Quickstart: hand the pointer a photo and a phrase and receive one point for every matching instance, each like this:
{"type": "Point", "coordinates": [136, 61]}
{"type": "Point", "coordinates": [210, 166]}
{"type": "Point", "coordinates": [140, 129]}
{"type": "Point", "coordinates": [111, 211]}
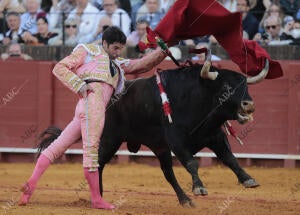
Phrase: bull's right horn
{"type": "Point", "coordinates": [261, 76]}
{"type": "Point", "coordinates": [204, 73]}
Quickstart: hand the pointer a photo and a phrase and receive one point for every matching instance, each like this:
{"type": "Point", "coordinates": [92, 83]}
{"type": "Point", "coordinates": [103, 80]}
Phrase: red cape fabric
{"type": "Point", "coordinates": [190, 18]}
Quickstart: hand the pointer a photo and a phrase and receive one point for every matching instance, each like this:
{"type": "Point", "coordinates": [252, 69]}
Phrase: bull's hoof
{"type": "Point", "coordinates": [188, 204]}
{"type": "Point", "coordinates": [250, 183]}
{"type": "Point", "coordinates": [200, 191]}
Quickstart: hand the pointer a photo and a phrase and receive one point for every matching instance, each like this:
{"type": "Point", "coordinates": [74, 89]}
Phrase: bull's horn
{"type": "Point", "coordinates": [258, 78]}
{"type": "Point", "coordinates": [204, 73]}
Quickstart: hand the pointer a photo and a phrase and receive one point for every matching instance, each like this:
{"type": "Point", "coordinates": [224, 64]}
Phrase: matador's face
{"type": "Point", "coordinates": [113, 50]}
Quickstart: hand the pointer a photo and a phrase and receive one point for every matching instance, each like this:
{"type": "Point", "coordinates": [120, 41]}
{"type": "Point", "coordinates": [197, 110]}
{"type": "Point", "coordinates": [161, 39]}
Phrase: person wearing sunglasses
{"type": "Point", "coordinates": [273, 10]}
{"type": "Point", "coordinates": [88, 16]}
{"type": "Point", "coordinates": [272, 26]}
{"type": "Point", "coordinates": [71, 32]}
{"type": "Point", "coordinates": [273, 32]}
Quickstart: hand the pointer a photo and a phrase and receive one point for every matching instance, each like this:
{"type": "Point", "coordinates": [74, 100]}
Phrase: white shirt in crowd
{"type": "Point", "coordinates": [119, 18]}
{"type": "Point", "coordinates": [88, 22]}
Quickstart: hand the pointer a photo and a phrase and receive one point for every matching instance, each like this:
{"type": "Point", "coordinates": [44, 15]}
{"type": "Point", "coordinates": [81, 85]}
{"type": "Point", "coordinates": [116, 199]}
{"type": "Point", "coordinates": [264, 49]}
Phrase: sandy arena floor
{"type": "Point", "coordinates": [141, 189]}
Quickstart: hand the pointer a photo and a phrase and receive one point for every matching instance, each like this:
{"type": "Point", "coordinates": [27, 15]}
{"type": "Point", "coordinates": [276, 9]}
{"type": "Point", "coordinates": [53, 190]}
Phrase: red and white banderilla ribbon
{"type": "Point", "coordinates": [230, 131]}
{"type": "Point", "coordinates": [164, 97]}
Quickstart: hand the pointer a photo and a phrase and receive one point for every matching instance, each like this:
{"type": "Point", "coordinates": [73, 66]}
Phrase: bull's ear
{"type": "Point", "coordinates": [204, 73]}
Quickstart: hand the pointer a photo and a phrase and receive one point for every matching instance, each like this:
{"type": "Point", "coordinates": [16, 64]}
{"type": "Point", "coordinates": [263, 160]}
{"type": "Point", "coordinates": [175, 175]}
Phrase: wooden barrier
{"type": "Point", "coordinates": [32, 99]}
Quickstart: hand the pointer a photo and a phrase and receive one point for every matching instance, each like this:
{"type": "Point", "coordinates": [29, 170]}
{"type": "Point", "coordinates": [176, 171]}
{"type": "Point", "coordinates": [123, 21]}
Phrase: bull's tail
{"type": "Point", "coordinates": [46, 138]}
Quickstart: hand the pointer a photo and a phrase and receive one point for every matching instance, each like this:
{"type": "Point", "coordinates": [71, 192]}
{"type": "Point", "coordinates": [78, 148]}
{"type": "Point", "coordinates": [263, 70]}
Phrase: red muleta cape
{"type": "Point", "coordinates": [190, 18]}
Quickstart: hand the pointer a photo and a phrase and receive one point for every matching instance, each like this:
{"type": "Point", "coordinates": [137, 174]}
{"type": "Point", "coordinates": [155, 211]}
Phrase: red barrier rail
{"type": "Point", "coordinates": [31, 99]}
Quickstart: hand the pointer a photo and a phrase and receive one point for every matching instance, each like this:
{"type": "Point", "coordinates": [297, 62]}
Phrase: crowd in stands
{"type": "Point", "coordinates": [69, 22]}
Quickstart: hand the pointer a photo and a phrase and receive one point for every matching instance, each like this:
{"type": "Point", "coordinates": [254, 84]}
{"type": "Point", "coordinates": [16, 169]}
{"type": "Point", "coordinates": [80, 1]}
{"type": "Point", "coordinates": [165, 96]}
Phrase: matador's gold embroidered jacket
{"type": "Point", "coordinates": [90, 62]}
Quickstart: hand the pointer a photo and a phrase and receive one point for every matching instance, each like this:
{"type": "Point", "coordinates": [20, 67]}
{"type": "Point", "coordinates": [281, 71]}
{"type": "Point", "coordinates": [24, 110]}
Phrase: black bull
{"type": "Point", "coordinates": [199, 109]}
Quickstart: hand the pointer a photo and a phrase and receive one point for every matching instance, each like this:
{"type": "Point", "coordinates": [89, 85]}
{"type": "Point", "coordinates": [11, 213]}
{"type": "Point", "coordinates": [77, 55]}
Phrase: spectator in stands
{"type": "Point", "coordinates": [273, 10]}
{"type": "Point", "coordinates": [139, 34]}
{"type": "Point", "coordinates": [153, 15]}
{"type": "Point", "coordinates": [28, 19]}
{"type": "Point", "coordinates": [43, 37]}
{"type": "Point", "coordinates": [8, 6]}
{"type": "Point", "coordinates": [11, 5]}
{"type": "Point", "coordinates": [14, 34]}
{"type": "Point", "coordinates": [97, 4]}
{"type": "Point", "coordinates": [201, 57]}
{"type": "Point", "coordinates": [298, 12]}
{"type": "Point", "coordinates": [296, 24]}
{"type": "Point", "coordinates": [258, 8]}
{"type": "Point", "coordinates": [125, 5]}
{"type": "Point", "coordinates": [58, 11]}
{"type": "Point", "coordinates": [288, 23]}
{"type": "Point", "coordinates": [88, 17]}
{"type": "Point", "coordinates": [118, 16]}
{"type": "Point", "coordinates": [295, 32]}
{"type": "Point", "coordinates": [250, 23]}
{"type": "Point", "coordinates": [135, 6]}
{"type": "Point", "coordinates": [14, 51]}
{"type": "Point", "coordinates": [71, 30]}
{"type": "Point", "coordinates": [46, 5]}
{"type": "Point", "coordinates": [189, 42]}
{"type": "Point", "coordinates": [104, 23]}
{"type": "Point", "coordinates": [290, 7]}
{"type": "Point", "coordinates": [273, 35]}
{"type": "Point", "coordinates": [229, 5]}
{"type": "Point", "coordinates": [141, 11]}
{"type": "Point", "coordinates": [165, 5]}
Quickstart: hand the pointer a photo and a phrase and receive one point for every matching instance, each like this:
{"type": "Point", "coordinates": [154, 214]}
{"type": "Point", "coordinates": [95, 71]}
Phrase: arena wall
{"type": "Point", "coordinates": [32, 99]}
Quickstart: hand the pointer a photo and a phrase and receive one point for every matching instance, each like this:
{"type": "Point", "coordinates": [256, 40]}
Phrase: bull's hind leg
{"type": "Point", "coordinates": [107, 150]}
{"type": "Point", "coordinates": [176, 140]}
{"type": "Point", "coordinates": [220, 146]}
{"type": "Point", "coordinates": [165, 160]}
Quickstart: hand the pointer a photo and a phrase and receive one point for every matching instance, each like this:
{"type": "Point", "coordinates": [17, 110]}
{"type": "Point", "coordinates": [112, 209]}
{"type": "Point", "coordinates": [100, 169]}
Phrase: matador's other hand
{"type": "Point", "coordinates": [85, 90]}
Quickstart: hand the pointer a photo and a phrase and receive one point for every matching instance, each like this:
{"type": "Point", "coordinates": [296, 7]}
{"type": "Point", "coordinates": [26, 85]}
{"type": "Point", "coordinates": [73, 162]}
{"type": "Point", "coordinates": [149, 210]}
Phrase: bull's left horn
{"type": "Point", "coordinates": [258, 78]}
{"type": "Point", "coordinates": [204, 73]}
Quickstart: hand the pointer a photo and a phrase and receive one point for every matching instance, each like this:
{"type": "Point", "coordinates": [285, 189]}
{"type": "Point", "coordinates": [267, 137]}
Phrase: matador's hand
{"type": "Point", "coordinates": [85, 90]}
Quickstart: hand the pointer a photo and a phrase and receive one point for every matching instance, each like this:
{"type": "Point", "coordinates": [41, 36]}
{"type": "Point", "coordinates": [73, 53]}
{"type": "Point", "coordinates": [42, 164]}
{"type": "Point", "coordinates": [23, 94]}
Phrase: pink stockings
{"type": "Point", "coordinates": [87, 123]}
{"type": "Point", "coordinates": [93, 181]}
{"type": "Point", "coordinates": [28, 188]}
{"type": "Point", "coordinates": [91, 177]}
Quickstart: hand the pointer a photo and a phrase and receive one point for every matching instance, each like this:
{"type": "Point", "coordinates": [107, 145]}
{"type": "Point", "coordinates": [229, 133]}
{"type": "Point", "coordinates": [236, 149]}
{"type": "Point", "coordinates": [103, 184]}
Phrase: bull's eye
{"type": "Point", "coordinates": [245, 103]}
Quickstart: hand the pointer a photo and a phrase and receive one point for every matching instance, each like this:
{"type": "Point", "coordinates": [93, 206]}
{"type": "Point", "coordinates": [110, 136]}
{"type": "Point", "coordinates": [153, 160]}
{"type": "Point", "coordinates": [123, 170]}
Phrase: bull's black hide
{"type": "Point", "coordinates": [199, 109]}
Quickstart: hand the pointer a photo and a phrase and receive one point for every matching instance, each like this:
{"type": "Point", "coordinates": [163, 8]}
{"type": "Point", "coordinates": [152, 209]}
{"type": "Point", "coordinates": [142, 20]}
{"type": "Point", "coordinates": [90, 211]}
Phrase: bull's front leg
{"type": "Point", "coordinates": [165, 160]}
{"type": "Point", "coordinates": [177, 141]}
{"type": "Point", "coordinates": [220, 146]}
